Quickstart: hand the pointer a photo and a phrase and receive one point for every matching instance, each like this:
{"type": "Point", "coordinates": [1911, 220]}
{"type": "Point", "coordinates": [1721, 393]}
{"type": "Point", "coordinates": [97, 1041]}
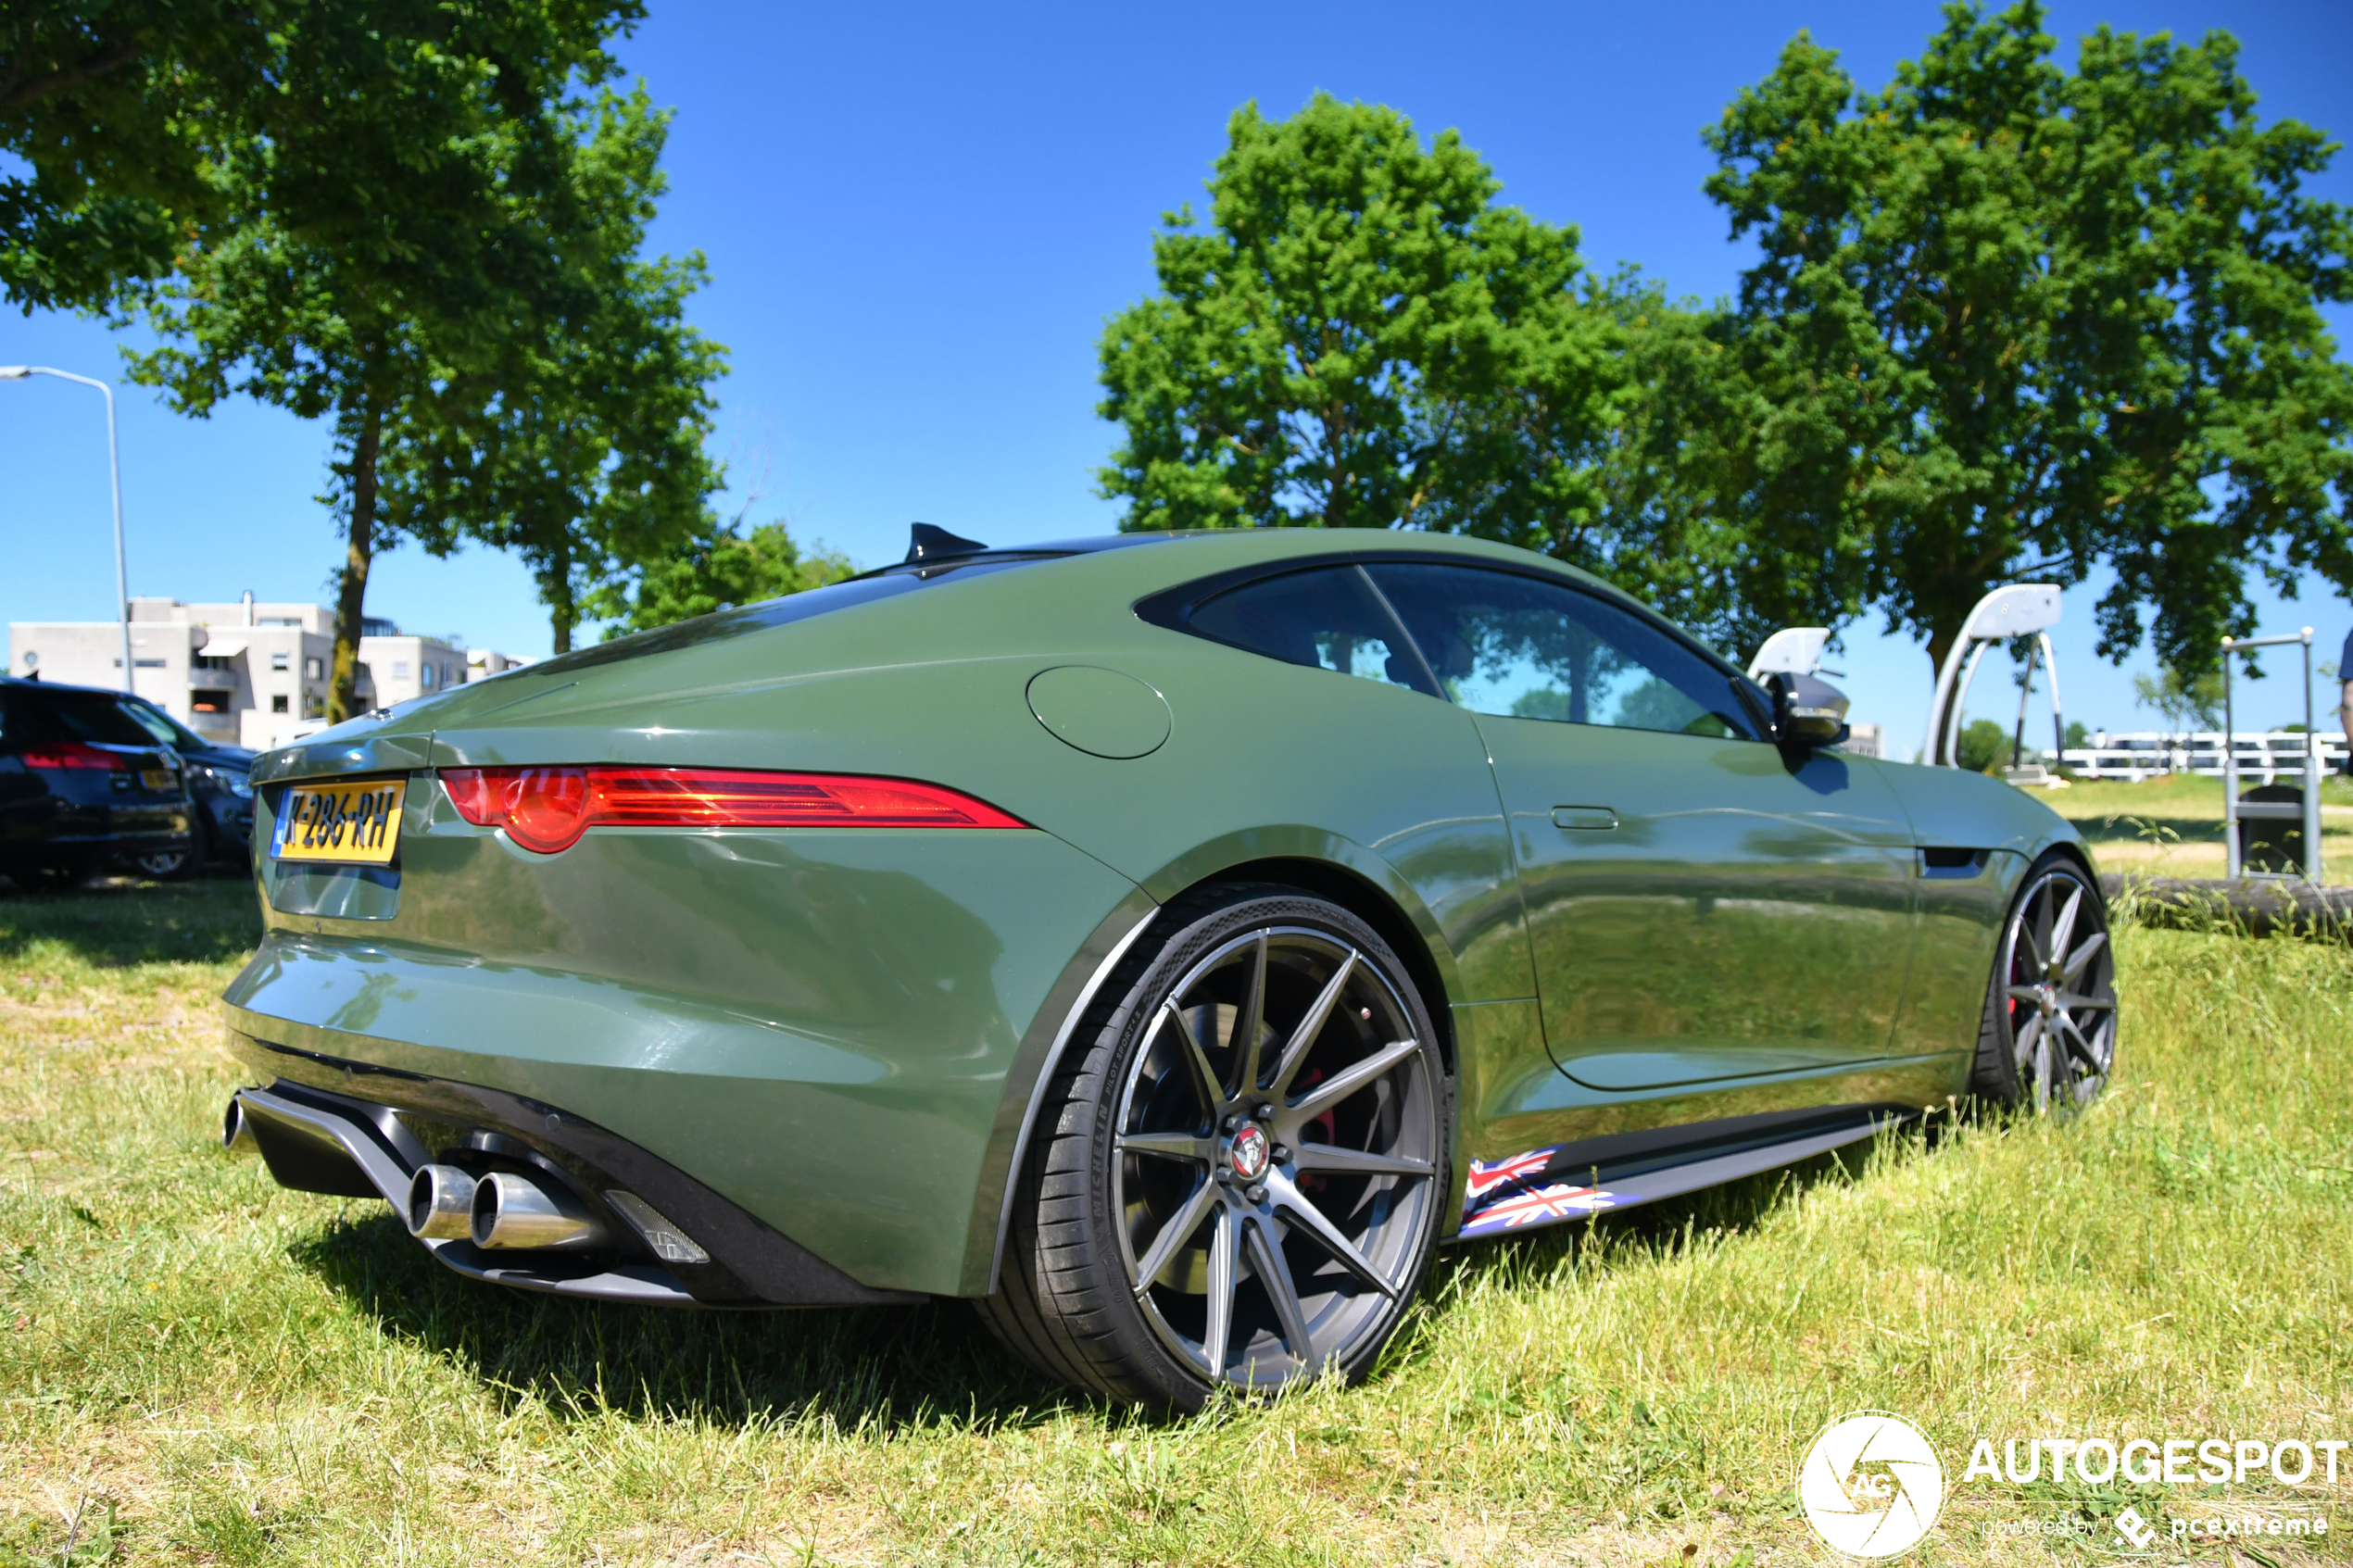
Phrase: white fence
{"type": "Point", "coordinates": [2263, 756]}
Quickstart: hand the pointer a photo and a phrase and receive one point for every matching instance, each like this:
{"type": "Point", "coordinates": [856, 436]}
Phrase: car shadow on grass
{"type": "Point", "coordinates": [886, 1368]}
{"type": "Point", "coordinates": [868, 1367]}
{"type": "Point", "coordinates": [121, 923]}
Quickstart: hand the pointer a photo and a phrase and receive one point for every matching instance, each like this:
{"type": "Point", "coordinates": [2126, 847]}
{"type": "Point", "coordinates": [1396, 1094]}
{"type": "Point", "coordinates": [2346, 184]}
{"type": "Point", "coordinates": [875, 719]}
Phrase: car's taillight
{"type": "Point", "coordinates": [74, 754]}
{"type": "Point", "coordinates": [548, 809]}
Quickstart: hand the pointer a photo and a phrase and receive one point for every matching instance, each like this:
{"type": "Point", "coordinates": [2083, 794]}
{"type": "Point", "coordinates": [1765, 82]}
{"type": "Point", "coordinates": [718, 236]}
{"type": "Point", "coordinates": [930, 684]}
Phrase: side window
{"type": "Point", "coordinates": [1505, 643]}
{"type": "Point", "coordinates": [153, 722]}
{"type": "Point", "coordinates": [1325, 619]}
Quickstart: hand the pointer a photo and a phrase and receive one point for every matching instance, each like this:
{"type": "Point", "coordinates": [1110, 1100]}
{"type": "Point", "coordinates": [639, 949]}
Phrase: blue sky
{"type": "Point", "coordinates": [917, 218]}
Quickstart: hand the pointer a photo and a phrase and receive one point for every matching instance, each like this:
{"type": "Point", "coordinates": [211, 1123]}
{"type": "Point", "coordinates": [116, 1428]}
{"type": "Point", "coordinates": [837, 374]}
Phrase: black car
{"type": "Point", "coordinates": [83, 786]}
{"type": "Point", "coordinates": [220, 782]}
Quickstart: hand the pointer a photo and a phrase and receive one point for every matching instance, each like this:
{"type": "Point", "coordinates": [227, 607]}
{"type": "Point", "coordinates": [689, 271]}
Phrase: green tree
{"type": "Point", "coordinates": [1985, 746]}
{"type": "Point", "coordinates": [1304, 359]}
{"type": "Point", "coordinates": [389, 222]}
{"type": "Point", "coordinates": [729, 565]}
{"type": "Point", "coordinates": [583, 450]}
{"type": "Point", "coordinates": [113, 109]}
{"type": "Point", "coordinates": [1362, 337]}
{"type": "Point", "coordinates": [2009, 324]}
{"type": "Point", "coordinates": [2188, 702]}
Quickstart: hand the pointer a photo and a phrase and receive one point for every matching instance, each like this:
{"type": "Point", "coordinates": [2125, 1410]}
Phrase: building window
{"type": "Point", "coordinates": [208, 702]}
{"type": "Point", "coordinates": [314, 669]}
{"type": "Point", "coordinates": [399, 669]}
{"type": "Point", "coordinates": [278, 702]}
{"type": "Point", "coordinates": [282, 660]}
{"type": "Point", "coordinates": [313, 705]}
{"type": "Point", "coordinates": [425, 674]}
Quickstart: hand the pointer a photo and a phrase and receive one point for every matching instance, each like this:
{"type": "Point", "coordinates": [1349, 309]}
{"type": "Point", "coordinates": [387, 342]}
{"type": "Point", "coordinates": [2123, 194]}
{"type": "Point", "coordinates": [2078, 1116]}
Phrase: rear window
{"type": "Point", "coordinates": [29, 718]}
{"type": "Point", "coordinates": [1325, 619]}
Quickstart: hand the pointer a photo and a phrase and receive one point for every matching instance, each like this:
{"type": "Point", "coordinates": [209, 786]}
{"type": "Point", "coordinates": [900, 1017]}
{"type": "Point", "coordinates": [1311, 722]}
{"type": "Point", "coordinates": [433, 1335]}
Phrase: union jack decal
{"type": "Point", "coordinates": [1542, 1206]}
{"type": "Point", "coordinates": [1486, 1178]}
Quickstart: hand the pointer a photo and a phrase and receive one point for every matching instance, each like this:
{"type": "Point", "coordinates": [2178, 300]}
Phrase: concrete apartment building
{"type": "Point", "coordinates": [247, 673]}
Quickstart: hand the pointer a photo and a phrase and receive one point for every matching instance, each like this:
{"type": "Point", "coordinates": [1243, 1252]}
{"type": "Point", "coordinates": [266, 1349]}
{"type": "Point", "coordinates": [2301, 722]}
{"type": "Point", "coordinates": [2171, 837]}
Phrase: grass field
{"type": "Point", "coordinates": [203, 1367]}
{"type": "Point", "coordinates": [2172, 825]}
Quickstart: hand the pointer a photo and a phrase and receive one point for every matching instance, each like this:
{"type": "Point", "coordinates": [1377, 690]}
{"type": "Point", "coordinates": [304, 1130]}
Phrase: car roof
{"type": "Point", "coordinates": [1258, 547]}
{"type": "Point", "coordinates": [63, 686]}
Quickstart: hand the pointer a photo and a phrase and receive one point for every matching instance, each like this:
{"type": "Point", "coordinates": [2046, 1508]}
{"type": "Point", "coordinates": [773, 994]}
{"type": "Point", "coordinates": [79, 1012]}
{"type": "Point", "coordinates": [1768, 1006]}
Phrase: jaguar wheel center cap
{"type": "Point", "coordinates": [1249, 1151]}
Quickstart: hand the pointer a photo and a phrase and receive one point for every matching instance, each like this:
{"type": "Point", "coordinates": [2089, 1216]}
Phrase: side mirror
{"type": "Point", "coordinates": [1807, 710]}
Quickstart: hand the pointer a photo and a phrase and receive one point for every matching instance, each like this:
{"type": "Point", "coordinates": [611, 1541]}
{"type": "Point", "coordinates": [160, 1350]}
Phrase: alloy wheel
{"type": "Point", "coordinates": [2059, 979]}
{"type": "Point", "coordinates": [1275, 1160]}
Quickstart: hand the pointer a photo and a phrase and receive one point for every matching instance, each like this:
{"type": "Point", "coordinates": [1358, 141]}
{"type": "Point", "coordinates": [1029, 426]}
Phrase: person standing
{"type": "Point", "coordinates": [2345, 698]}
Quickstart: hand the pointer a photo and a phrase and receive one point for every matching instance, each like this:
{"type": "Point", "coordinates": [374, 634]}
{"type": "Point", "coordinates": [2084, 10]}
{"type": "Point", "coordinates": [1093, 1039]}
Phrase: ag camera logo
{"type": "Point", "coordinates": [1870, 1486]}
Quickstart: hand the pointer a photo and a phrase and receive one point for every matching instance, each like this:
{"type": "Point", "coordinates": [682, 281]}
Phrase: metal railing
{"type": "Point", "coordinates": [2270, 754]}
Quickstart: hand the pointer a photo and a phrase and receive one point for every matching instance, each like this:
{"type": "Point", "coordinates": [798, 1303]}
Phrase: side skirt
{"type": "Point", "coordinates": [1545, 1186]}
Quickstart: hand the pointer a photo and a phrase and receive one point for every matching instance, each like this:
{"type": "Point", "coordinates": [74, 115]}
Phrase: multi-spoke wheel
{"type": "Point", "coordinates": [2048, 1039]}
{"type": "Point", "coordinates": [1245, 1175]}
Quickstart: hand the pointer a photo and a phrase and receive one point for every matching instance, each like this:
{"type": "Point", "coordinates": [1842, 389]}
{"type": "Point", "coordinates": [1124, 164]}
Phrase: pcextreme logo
{"type": "Point", "coordinates": [1870, 1486]}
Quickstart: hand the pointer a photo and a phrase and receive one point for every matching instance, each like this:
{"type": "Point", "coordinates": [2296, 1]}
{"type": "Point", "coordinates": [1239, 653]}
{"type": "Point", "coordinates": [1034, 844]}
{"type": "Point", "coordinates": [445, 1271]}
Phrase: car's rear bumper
{"type": "Point", "coordinates": [90, 849]}
{"type": "Point", "coordinates": [830, 1029]}
{"type": "Point", "coordinates": [372, 1143]}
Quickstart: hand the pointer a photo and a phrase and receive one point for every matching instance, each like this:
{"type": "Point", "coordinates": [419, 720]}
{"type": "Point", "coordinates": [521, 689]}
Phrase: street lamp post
{"type": "Point", "coordinates": [114, 471]}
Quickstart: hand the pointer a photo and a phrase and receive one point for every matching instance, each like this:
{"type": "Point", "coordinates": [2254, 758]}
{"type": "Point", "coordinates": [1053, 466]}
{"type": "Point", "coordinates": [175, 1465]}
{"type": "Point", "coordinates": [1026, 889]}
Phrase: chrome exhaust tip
{"type": "Point", "coordinates": [236, 1135]}
{"type": "Point", "coordinates": [511, 1210]}
{"type": "Point", "coordinates": [441, 1203]}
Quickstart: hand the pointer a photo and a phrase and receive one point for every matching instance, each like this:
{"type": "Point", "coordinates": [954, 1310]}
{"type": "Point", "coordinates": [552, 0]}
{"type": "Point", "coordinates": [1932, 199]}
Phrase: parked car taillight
{"type": "Point", "coordinates": [548, 809]}
{"type": "Point", "coordinates": [74, 754]}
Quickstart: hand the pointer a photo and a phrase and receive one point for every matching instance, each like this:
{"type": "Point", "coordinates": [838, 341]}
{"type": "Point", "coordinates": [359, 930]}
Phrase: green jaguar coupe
{"type": "Point", "coordinates": [1164, 941]}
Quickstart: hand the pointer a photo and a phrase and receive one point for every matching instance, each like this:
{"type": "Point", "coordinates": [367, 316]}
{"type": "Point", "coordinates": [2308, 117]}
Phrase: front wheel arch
{"type": "Point", "coordinates": [2049, 1022]}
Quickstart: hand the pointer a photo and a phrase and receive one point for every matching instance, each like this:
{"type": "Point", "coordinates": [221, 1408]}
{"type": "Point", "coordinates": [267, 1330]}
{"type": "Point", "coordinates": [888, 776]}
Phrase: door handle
{"type": "Point", "coordinates": [1584, 818]}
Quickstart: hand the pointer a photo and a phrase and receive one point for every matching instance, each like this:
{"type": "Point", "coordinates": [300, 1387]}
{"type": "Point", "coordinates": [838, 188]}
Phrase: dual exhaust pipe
{"type": "Point", "coordinates": [502, 1209]}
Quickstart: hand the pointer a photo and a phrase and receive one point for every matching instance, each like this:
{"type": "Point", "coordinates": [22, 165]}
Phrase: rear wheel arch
{"type": "Point", "coordinates": [1370, 903]}
{"type": "Point", "coordinates": [1126, 1108]}
{"type": "Point", "coordinates": [1135, 925]}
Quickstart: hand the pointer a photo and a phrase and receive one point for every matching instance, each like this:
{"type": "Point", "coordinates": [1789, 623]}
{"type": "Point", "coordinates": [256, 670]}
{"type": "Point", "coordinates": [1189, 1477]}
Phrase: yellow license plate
{"type": "Point", "coordinates": [160, 780]}
{"type": "Point", "coordinates": [357, 822]}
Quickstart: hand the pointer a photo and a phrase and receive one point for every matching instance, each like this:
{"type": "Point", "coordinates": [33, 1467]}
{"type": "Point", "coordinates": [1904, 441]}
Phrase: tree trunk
{"type": "Point", "coordinates": [343, 695]}
{"type": "Point", "coordinates": [555, 586]}
{"type": "Point", "coordinates": [1940, 642]}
